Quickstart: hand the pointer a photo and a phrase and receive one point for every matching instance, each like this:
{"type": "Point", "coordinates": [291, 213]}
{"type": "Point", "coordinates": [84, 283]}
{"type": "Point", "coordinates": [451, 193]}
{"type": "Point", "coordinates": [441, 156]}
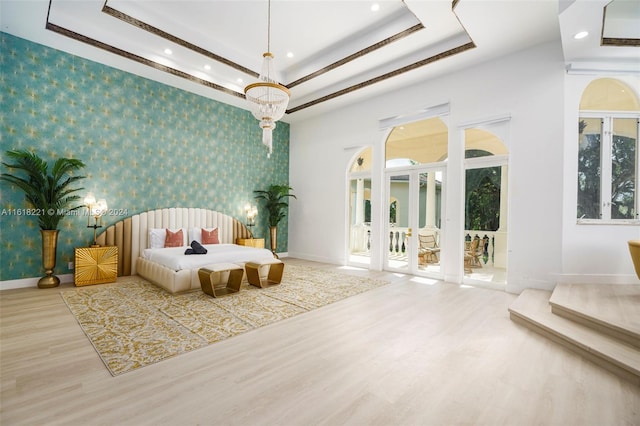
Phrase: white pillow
{"type": "Point", "coordinates": [157, 237]}
{"type": "Point", "coordinates": [195, 234]}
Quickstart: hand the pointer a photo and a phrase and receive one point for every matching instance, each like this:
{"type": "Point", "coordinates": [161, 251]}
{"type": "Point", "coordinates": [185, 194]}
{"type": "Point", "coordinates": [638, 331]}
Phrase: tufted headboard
{"type": "Point", "coordinates": [131, 233]}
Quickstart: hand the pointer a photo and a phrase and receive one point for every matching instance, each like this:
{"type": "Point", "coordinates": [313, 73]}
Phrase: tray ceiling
{"type": "Point", "coordinates": [327, 52]}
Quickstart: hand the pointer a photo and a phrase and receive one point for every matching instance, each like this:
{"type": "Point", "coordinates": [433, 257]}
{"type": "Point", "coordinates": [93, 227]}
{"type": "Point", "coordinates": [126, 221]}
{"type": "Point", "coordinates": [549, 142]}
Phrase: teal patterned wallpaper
{"type": "Point", "coordinates": [146, 146]}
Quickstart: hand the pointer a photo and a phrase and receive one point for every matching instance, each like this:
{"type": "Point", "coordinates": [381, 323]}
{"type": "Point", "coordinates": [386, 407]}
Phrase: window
{"type": "Point", "coordinates": [608, 153]}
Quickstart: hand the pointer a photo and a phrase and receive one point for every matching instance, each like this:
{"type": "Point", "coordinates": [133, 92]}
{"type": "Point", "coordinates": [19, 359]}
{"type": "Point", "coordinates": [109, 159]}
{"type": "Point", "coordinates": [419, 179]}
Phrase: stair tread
{"type": "Point", "coordinates": [534, 306]}
{"type": "Point", "coordinates": [614, 306]}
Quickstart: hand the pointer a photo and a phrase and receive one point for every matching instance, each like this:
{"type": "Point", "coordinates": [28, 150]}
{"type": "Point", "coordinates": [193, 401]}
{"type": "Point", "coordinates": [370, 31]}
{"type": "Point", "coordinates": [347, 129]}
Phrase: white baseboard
{"type": "Point", "coordinates": [319, 259]}
{"type": "Point", "coordinates": [31, 282]}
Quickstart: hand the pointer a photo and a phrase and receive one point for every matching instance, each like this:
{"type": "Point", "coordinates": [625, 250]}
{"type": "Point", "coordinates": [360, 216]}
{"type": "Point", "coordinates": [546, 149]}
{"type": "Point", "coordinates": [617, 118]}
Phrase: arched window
{"type": "Point", "coordinates": [608, 152]}
{"type": "Point", "coordinates": [421, 142]}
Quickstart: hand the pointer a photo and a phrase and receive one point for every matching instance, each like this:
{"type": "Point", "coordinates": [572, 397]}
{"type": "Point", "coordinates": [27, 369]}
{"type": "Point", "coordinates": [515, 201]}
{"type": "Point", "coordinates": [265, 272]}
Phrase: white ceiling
{"type": "Point", "coordinates": [342, 50]}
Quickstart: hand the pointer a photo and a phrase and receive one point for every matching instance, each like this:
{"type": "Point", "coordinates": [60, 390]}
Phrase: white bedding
{"type": "Point", "coordinates": [174, 257]}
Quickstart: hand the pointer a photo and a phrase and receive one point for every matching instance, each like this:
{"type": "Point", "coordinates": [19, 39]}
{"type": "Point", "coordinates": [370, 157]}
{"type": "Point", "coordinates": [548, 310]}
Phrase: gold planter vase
{"type": "Point", "coordinates": [273, 236]}
{"type": "Point", "coordinates": [49, 247]}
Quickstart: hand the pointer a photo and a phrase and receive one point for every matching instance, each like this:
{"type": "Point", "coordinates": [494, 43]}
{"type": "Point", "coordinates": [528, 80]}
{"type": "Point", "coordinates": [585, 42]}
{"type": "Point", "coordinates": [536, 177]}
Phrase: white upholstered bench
{"type": "Point", "coordinates": [220, 278]}
{"type": "Point", "coordinates": [265, 272]}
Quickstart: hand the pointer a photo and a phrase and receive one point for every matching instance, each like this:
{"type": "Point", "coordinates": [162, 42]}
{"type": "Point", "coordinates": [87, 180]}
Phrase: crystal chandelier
{"type": "Point", "coordinates": [267, 98]}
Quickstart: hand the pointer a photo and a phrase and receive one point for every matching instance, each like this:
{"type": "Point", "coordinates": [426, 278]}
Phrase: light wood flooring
{"type": "Point", "coordinates": [408, 353]}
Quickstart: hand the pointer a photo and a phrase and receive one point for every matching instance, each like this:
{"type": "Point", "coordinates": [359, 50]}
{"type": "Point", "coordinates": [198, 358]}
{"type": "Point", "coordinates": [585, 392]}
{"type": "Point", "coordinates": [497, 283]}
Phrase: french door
{"type": "Point", "coordinates": [413, 230]}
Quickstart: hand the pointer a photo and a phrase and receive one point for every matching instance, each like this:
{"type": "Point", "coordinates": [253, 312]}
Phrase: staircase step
{"type": "Point", "coordinates": [611, 309]}
{"type": "Point", "coordinates": [532, 310]}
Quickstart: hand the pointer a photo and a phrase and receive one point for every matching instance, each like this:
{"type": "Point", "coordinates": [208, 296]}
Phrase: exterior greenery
{"type": "Point", "coordinates": [623, 175]}
{"type": "Point", "coordinates": [50, 194]}
{"type": "Point", "coordinates": [274, 199]}
{"type": "Point", "coordinates": [483, 199]}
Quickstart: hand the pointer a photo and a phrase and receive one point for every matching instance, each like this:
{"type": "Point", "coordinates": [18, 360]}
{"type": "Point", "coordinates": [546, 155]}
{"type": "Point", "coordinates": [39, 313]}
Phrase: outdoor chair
{"type": "Point", "coordinates": [428, 250]}
{"type": "Point", "coordinates": [472, 253]}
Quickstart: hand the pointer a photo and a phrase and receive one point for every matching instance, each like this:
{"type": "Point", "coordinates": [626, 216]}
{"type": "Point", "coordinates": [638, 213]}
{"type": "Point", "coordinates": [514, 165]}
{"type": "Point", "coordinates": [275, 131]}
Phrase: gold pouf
{"type": "Point", "coordinates": [634, 249]}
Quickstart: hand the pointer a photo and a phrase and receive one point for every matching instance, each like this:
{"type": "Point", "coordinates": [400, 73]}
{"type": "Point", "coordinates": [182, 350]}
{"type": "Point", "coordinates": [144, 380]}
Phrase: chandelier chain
{"type": "Point", "coordinates": [269, 26]}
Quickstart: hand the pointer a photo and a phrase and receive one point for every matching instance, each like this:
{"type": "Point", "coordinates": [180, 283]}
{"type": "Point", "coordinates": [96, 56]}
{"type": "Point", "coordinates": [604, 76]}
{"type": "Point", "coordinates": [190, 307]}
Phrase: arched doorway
{"type": "Point", "coordinates": [485, 205]}
{"type": "Point", "coordinates": [414, 193]}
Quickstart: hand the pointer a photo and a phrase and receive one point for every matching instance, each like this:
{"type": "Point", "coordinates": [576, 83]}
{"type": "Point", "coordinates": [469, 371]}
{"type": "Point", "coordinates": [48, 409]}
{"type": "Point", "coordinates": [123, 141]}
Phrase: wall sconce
{"type": "Point", "coordinates": [97, 209]}
{"type": "Point", "coordinates": [251, 212]}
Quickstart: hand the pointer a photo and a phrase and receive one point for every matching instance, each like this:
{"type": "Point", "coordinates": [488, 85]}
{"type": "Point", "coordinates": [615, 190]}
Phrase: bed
{"type": "Point", "coordinates": [170, 268]}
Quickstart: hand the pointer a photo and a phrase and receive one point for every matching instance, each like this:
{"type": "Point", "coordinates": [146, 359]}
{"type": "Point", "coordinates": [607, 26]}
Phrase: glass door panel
{"type": "Point", "coordinates": [485, 231]}
{"type": "Point", "coordinates": [397, 229]}
{"type": "Point", "coordinates": [413, 233]}
{"type": "Point", "coordinates": [429, 212]}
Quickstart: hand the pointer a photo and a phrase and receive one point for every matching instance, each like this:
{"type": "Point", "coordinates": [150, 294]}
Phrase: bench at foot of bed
{"type": "Point", "coordinates": [265, 272]}
{"type": "Point", "coordinates": [220, 279]}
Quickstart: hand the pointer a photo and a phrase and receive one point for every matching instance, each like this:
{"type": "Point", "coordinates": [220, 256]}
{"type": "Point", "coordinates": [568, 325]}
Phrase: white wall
{"type": "Point", "coordinates": [528, 86]}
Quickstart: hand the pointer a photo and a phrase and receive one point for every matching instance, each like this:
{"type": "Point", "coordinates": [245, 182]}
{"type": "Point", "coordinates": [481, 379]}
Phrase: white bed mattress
{"type": "Point", "coordinates": [175, 259]}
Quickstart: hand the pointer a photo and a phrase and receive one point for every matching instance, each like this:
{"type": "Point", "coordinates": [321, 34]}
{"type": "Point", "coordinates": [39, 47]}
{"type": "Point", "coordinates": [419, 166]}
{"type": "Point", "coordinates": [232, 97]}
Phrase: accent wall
{"type": "Point", "coordinates": [146, 145]}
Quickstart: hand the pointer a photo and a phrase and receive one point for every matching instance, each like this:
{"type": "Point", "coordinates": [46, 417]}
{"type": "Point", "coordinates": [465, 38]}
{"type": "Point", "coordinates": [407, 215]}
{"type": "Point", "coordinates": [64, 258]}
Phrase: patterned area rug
{"type": "Point", "coordinates": [133, 324]}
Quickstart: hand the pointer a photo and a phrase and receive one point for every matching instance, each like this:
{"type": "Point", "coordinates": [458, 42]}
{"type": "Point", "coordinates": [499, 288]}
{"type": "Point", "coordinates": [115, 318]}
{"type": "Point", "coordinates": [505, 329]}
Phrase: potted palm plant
{"type": "Point", "coordinates": [51, 196]}
{"type": "Point", "coordinates": [276, 205]}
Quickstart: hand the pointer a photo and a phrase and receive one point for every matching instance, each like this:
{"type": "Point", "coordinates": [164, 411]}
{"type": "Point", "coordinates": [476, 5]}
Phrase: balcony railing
{"type": "Point", "coordinates": [492, 245]}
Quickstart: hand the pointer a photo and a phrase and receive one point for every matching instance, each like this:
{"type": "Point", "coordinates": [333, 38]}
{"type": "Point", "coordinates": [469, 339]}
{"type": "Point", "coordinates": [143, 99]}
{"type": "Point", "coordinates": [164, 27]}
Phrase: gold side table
{"type": "Point", "coordinates": [250, 242]}
{"type": "Point", "coordinates": [96, 265]}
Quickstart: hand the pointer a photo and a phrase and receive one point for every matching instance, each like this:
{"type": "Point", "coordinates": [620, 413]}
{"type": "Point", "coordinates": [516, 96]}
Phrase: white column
{"type": "Point", "coordinates": [504, 202]}
{"type": "Point", "coordinates": [500, 247]}
{"type": "Point", "coordinates": [431, 201]}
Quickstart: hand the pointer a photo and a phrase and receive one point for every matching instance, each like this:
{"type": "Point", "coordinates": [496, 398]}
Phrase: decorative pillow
{"type": "Point", "coordinates": [157, 237]}
{"type": "Point", "coordinates": [210, 237]}
{"type": "Point", "coordinates": [174, 239]}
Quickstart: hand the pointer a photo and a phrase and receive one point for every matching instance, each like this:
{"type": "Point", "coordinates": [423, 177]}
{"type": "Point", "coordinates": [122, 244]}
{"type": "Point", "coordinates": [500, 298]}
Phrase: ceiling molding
{"type": "Point", "coordinates": [608, 41]}
{"type": "Point", "coordinates": [386, 76]}
{"type": "Point", "coordinates": [163, 34]}
{"type": "Point", "coordinates": [359, 54]}
{"type": "Point", "coordinates": [160, 33]}
{"type": "Point", "coordinates": [617, 41]}
{"type": "Point", "coordinates": [100, 45]}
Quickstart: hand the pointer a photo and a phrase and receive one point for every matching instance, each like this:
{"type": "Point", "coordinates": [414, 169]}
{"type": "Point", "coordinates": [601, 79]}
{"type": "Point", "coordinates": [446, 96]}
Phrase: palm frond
{"type": "Point", "coordinates": [42, 190]}
{"type": "Point", "coordinates": [274, 203]}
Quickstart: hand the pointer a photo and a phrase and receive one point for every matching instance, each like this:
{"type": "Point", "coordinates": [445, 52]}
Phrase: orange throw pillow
{"type": "Point", "coordinates": [174, 239]}
{"type": "Point", "coordinates": [210, 237]}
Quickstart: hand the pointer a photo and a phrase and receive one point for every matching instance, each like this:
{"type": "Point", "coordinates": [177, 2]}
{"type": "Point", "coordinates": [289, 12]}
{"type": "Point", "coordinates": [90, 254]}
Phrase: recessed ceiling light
{"type": "Point", "coordinates": [289, 54]}
{"type": "Point", "coordinates": [207, 67]}
{"type": "Point", "coordinates": [239, 80]}
{"type": "Point", "coordinates": [581, 34]}
{"type": "Point", "coordinates": [375, 7]}
{"type": "Point", "coordinates": [168, 51]}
